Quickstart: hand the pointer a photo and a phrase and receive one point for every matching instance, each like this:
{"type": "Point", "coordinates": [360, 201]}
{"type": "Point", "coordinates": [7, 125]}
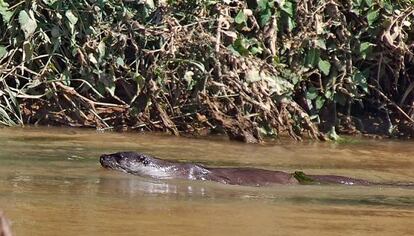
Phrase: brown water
{"type": "Point", "coordinates": [51, 184]}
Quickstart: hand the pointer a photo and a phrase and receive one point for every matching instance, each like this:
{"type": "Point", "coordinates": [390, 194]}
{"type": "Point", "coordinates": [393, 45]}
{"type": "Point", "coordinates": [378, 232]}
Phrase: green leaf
{"type": "Point", "coordinates": [278, 85]}
{"type": "Point", "coordinates": [5, 13]}
{"type": "Point", "coordinates": [365, 49]}
{"type": "Point", "coordinates": [92, 59]}
{"type": "Point", "coordinates": [265, 16]}
{"type": "Point", "coordinates": [372, 17]}
{"type": "Point", "coordinates": [312, 93]}
{"type": "Point", "coordinates": [303, 178]}
{"type": "Point", "coordinates": [365, 46]}
{"type": "Point", "coordinates": [320, 43]}
{"type": "Point", "coordinates": [333, 135]}
{"type": "Point", "coordinates": [65, 76]}
{"type": "Point", "coordinates": [312, 57]}
{"type": "Point", "coordinates": [291, 24]}
{"type": "Point", "coordinates": [329, 94]}
{"type": "Point", "coordinates": [241, 46]}
{"type": "Point", "coordinates": [71, 17]}
{"type": "Point", "coordinates": [324, 66]}
{"type": "Point", "coordinates": [27, 23]}
{"type": "Point", "coordinates": [368, 3]}
{"type": "Point", "coordinates": [50, 2]}
{"type": "Point", "coordinates": [256, 50]}
{"type": "Point", "coordinates": [72, 20]}
{"type": "Point", "coordinates": [240, 18]}
{"type": "Point", "coordinates": [388, 7]}
{"type": "Point", "coordinates": [319, 102]}
{"type": "Point", "coordinates": [262, 4]}
{"type": "Point", "coordinates": [120, 61]}
{"type": "Point", "coordinates": [361, 81]}
{"type": "Point", "coordinates": [288, 7]}
{"type": "Point", "coordinates": [234, 50]}
{"type": "Point", "coordinates": [3, 51]}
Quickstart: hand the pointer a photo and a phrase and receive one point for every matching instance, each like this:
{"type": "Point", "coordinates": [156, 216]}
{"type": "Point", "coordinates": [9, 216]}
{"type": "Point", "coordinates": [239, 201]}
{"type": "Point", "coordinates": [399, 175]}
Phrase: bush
{"type": "Point", "coordinates": [245, 68]}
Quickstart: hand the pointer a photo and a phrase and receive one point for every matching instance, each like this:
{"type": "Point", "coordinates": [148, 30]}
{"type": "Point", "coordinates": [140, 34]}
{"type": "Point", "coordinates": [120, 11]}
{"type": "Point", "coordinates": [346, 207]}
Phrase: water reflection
{"type": "Point", "coordinates": [119, 185]}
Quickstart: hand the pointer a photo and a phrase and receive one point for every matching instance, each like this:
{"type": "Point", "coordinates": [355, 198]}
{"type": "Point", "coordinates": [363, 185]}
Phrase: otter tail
{"type": "Point", "coordinates": [337, 179]}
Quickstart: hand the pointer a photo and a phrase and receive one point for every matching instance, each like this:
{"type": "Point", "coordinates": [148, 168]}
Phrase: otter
{"type": "Point", "coordinates": [149, 166]}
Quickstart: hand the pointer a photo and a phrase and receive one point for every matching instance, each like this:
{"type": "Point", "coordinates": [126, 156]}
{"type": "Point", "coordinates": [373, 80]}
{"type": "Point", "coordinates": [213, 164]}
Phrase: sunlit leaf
{"type": "Point", "coordinates": [329, 94]}
{"type": "Point", "coordinates": [3, 52]}
{"type": "Point", "coordinates": [71, 17]}
{"type": "Point", "coordinates": [5, 13]}
{"type": "Point", "coordinates": [262, 4]}
{"type": "Point", "coordinates": [50, 2]}
{"type": "Point", "coordinates": [27, 23]}
{"type": "Point", "coordinates": [120, 61]}
{"type": "Point", "coordinates": [368, 3]}
{"type": "Point", "coordinates": [333, 135]}
{"type": "Point", "coordinates": [288, 7]}
{"type": "Point", "coordinates": [324, 66]}
{"type": "Point", "coordinates": [240, 18]}
{"type": "Point", "coordinates": [365, 49]}
{"type": "Point", "coordinates": [320, 43]}
{"type": "Point", "coordinates": [92, 58]}
{"type": "Point", "coordinates": [372, 16]}
{"type": "Point", "coordinates": [72, 20]}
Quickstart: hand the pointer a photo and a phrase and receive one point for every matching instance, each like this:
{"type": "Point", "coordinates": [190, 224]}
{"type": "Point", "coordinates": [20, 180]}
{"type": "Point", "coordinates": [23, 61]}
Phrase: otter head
{"type": "Point", "coordinates": [136, 163]}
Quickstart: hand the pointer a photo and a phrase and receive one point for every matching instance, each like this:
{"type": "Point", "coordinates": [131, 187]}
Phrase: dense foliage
{"type": "Point", "coordinates": [246, 68]}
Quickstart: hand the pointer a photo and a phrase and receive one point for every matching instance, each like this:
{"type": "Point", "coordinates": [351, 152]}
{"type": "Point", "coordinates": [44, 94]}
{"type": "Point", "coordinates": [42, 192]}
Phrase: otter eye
{"type": "Point", "coordinates": [145, 162]}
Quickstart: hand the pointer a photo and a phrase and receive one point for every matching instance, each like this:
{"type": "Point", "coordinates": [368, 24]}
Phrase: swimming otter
{"type": "Point", "coordinates": [145, 165]}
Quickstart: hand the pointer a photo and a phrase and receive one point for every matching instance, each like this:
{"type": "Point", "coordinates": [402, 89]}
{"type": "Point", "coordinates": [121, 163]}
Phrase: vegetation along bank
{"type": "Point", "coordinates": [249, 69]}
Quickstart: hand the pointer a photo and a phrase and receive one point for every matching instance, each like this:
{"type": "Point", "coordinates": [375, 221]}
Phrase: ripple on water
{"type": "Point", "coordinates": [51, 179]}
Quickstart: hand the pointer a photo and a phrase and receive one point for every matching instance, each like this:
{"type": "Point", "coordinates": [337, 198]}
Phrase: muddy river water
{"type": "Point", "coordinates": [51, 183]}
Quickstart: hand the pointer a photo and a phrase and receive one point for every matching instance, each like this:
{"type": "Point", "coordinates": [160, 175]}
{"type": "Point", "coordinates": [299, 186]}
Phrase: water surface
{"type": "Point", "coordinates": [51, 183]}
